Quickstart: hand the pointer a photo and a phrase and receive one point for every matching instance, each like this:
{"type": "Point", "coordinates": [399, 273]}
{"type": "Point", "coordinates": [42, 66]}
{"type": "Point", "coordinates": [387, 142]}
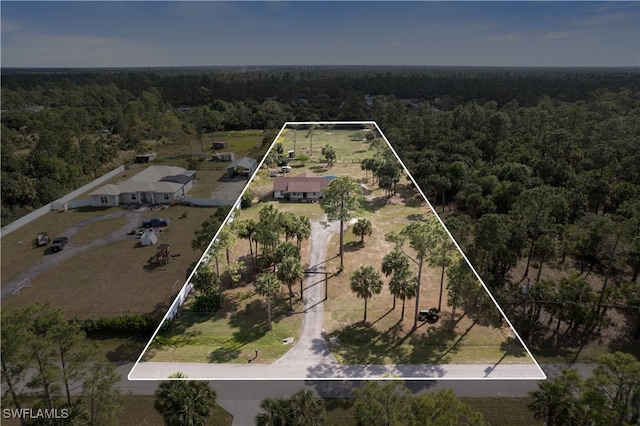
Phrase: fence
{"type": "Point", "coordinates": [61, 203]}
{"type": "Point", "coordinates": [179, 300]}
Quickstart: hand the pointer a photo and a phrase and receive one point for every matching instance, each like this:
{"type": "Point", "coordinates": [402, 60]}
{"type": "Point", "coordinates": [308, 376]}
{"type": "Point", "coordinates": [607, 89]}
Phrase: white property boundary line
{"type": "Point", "coordinates": [232, 213]}
{"type": "Point", "coordinates": [70, 196]}
{"type": "Point", "coordinates": [20, 286]}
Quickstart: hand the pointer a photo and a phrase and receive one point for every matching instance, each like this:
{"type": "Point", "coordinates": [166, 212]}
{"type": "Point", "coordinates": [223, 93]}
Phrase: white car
{"type": "Point", "coordinates": [286, 169]}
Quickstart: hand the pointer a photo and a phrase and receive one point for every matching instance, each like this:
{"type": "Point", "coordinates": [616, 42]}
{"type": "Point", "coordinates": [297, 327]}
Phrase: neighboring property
{"type": "Point", "coordinates": [303, 187]}
{"type": "Point", "coordinates": [224, 156]}
{"type": "Point", "coordinates": [145, 158]}
{"type": "Point", "coordinates": [153, 185]}
{"type": "Point", "coordinates": [242, 166]}
{"type": "Point", "coordinates": [219, 145]}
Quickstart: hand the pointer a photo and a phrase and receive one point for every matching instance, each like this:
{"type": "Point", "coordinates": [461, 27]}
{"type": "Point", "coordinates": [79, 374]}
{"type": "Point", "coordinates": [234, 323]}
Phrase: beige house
{"type": "Point", "coordinates": [303, 187]}
{"type": "Point", "coordinates": [153, 185]}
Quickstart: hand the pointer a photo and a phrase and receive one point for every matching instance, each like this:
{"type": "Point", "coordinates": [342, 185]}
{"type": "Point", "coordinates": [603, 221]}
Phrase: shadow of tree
{"type": "Point", "coordinates": [374, 204]}
{"type": "Point", "coordinates": [225, 354]}
{"type": "Point", "coordinates": [512, 347]}
{"type": "Point", "coordinates": [319, 169]}
{"type": "Point", "coordinates": [127, 351]}
{"type": "Point", "coordinates": [352, 246]}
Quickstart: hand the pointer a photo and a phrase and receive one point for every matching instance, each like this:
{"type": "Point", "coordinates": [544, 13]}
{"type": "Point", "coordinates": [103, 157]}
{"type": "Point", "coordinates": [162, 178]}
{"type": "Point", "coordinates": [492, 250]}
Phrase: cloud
{"type": "Point", "coordinates": [555, 35]}
{"type": "Point", "coordinates": [508, 38]}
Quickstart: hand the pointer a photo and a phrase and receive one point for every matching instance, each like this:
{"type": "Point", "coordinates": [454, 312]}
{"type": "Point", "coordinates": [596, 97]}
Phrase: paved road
{"type": "Point", "coordinates": [134, 219]}
{"type": "Point", "coordinates": [242, 398]}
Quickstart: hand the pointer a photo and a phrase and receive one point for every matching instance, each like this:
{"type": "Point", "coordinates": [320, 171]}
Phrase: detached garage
{"type": "Point", "coordinates": [246, 165]}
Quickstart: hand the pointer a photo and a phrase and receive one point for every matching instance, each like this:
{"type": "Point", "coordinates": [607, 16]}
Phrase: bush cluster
{"type": "Point", "coordinates": [127, 324]}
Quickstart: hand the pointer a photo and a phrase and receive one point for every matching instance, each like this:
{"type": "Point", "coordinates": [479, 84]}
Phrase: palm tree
{"type": "Point", "coordinates": [404, 286]}
{"type": "Point", "coordinates": [361, 228]}
{"type": "Point", "coordinates": [184, 402]}
{"type": "Point", "coordinates": [396, 263]}
{"type": "Point", "coordinates": [276, 412]}
{"type": "Point", "coordinates": [289, 223]}
{"type": "Point", "coordinates": [246, 229]}
{"type": "Point", "coordinates": [268, 286]}
{"type": "Point", "coordinates": [301, 409]}
{"type": "Point", "coordinates": [306, 409]}
{"type": "Point", "coordinates": [366, 282]}
{"type": "Point", "coordinates": [289, 271]}
{"type": "Point", "coordinates": [303, 231]}
{"type": "Point", "coordinates": [442, 257]}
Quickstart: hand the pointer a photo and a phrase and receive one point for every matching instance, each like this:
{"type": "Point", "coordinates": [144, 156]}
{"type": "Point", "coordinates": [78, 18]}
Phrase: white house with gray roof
{"type": "Point", "coordinates": [153, 185]}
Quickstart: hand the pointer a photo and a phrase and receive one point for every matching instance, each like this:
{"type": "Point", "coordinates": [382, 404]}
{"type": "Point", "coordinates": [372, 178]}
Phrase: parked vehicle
{"type": "Point", "coordinates": [43, 239]}
{"type": "Point", "coordinates": [430, 315]}
{"type": "Point", "coordinates": [58, 244]}
{"type": "Point", "coordinates": [155, 222]}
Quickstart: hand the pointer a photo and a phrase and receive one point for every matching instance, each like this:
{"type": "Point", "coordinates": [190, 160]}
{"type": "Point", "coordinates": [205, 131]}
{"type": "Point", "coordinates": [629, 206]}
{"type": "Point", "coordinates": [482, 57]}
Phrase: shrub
{"type": "Point", "coordinates": [127, 324]}
{"type": "Point", "coordinates": [206, 303]}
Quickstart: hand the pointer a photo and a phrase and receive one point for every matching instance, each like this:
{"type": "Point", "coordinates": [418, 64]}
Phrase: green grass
{"type": "Point", "coordinates": [232, 335]}
{"type": "Point", "coordinates": [349, 145]}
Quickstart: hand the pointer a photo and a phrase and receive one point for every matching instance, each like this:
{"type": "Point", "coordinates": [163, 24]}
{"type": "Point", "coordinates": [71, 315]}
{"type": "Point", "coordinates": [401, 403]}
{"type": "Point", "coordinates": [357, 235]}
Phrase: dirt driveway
{"type": "Point", "coordinates": [312, 349]}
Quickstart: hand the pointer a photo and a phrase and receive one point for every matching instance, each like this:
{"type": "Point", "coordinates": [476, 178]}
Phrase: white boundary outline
{"type": "Point", "coordinates": [231, 213]}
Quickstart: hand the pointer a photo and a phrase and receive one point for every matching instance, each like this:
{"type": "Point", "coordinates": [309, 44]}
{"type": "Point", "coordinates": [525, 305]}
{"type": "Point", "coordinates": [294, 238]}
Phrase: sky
{"type": "Point", "coordinates": [215, 33]}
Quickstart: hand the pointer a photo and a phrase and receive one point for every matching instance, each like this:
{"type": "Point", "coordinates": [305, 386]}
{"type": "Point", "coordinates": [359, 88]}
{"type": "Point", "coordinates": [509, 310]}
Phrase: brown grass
{"type": "Point", "coordinates": [116, 278]}
{"type": "Point", "coordinates": [18, 248]}
{"type": "Point", "coordinates": [392, 340]}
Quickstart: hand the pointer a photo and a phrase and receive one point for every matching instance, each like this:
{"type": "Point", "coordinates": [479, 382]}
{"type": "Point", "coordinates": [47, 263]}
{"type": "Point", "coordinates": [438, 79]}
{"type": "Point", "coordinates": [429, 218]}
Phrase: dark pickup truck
{"type": "Point", "coordinates": [155, 222]}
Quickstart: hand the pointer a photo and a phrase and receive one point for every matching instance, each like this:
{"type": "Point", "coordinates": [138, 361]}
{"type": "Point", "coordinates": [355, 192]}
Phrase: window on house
{"type": "Point", "coordinates": [104, 200]}
{"type": "Point", "coordinates": [166, 197]}
{"type": "Point", "coordinates": [133, 196]}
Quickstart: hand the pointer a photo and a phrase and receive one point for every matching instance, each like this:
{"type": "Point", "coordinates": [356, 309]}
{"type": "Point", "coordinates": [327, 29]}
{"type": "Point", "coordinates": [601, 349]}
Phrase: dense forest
{"type": "Point", "coordinates": [533, 169]}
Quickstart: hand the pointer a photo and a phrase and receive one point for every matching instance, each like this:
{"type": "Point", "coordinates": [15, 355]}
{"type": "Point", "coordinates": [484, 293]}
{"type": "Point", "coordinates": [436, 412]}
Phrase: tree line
{"type": "Point", "coordinates": [48, 365]}
{"type": "Point", "coordinates": [538, 175]}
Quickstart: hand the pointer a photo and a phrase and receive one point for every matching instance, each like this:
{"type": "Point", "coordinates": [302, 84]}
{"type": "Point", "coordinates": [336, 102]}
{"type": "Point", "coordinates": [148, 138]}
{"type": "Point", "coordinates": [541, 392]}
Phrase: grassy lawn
{"type": "Point", "coordinates": [98, 230]}
{"type": "Point", "coordinates": [231, 335]}
{"type": "Point", "coordinates": [349, 145]}
{"type": "Point", "coordinates": [496, 411]}
{"type": "Point", "coordinates": [385, 338]}
{"type": "Point", "coordinates": [116, 277]}
{"type": "Point", "coordinates": [18, 248]}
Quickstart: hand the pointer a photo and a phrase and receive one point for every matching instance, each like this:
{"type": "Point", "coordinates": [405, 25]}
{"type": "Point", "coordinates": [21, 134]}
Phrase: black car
{"type": "Point", "coordinates": [58, 244]}
{"type": "Point", "coordinates": [155, 222]}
